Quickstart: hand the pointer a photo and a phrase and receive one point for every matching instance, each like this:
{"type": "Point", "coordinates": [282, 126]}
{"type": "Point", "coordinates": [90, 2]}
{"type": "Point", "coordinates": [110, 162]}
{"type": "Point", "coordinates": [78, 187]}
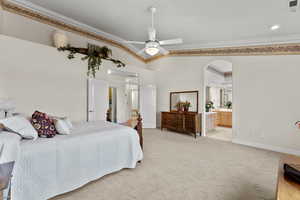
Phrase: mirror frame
{"type": "Point", "coordinates": [193, 91]}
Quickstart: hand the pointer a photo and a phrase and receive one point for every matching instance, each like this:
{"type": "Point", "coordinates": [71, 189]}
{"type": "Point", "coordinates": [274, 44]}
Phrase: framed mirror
{"type": "Point", "coordinates": [186, 101]}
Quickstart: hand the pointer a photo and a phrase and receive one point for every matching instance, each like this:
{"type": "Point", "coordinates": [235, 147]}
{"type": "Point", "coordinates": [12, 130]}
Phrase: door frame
{"type": "Point", "coordinates": [91, 105]}
{"type": "Point", "coordinates": [204, 83]}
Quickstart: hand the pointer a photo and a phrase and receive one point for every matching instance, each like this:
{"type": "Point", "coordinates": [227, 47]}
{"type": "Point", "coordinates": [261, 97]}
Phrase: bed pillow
{"type": "Point", "coordinates": [20, 126]}
{"type": "Point", "coordinates": [68, 122]}
{"type": "Point", "coordinates": [43, 124]}
{"type": "Point", "coordinates": [62, 127]}
{"type": "Point", "coordinates": [65, 119]}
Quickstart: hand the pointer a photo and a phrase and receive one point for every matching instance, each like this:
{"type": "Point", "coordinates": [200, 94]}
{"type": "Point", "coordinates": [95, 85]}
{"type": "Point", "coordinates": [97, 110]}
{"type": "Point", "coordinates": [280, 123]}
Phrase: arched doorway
{"type": "Point", "coordinates": [218, 101]}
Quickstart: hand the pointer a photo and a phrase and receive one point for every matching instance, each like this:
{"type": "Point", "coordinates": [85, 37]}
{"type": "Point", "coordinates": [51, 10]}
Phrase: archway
{"type": "Point", "coordinates": [217, 97]}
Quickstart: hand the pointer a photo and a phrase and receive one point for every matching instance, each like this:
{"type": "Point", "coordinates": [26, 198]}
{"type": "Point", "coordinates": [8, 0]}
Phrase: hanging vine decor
{"type": "Point", "coordinates": [94, 55]}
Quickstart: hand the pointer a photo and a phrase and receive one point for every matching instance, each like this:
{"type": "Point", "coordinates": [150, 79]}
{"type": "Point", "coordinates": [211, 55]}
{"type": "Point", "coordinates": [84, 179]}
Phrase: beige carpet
{"type": "Point", "coordinates": [220, 133]}
{"type": "Point", "coordinates": [179, 167]}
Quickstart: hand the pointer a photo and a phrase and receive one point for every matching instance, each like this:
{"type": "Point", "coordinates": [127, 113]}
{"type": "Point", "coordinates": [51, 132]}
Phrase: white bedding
{"type": "Point", "coordinates": [49, 167]}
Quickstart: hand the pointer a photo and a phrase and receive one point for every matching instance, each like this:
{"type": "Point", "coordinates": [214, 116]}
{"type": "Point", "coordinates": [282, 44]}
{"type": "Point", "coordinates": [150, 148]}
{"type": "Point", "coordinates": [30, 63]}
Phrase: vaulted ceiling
{"type": "Point", "coordinates": [200, 23]}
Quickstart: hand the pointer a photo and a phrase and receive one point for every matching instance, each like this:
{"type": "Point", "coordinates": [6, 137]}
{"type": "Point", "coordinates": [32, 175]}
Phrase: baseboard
{"type": "Point", "coordinates": [267, 147]}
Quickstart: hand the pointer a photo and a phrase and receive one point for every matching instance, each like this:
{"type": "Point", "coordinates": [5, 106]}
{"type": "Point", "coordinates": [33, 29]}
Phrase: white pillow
{"type": "Point", "coordinates": [68, 122]}
{"type": "Point", "coordinates": [21, 126]}
{"type": "Point", "coordinates": [62, 127]}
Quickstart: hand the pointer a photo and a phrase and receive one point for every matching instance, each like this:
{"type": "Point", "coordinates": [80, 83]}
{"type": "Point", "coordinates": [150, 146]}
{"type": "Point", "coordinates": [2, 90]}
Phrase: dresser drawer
{"type": "Point", "coordinates": [181, 122]}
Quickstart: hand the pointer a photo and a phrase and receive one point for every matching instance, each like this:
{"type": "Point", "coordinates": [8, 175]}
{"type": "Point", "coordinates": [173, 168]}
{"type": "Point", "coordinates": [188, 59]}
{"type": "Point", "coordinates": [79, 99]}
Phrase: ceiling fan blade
{"type": "Point", "coordinates": [163, 50]}
{"type": "Point", "coordinates": [152, 34]}
{"type": "Point", "coordinates": [141, 52]}
{"type": "Point", "coordinates": [133, 42]}
{"type": "Point", "coordinates": [169, 42]}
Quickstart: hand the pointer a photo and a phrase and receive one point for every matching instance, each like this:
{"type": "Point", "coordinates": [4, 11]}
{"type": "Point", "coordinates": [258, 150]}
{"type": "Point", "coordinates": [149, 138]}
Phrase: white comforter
{"type": "Point", "coordinates": [49, 167]}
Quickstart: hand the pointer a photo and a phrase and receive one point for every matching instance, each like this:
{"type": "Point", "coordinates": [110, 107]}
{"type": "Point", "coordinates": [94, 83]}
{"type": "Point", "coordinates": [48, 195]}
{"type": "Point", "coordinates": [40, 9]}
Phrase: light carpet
{"type": "Point", "coordinates": [220, 133]}
{"type": "Point", "coordinates": [179, 167]}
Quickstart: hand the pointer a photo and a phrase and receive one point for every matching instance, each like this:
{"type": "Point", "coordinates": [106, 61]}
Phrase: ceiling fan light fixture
{"type": "Point", "coordinates": [275, 27]}
{"type": "Point", "coordinates": [152, 51]}
{"type": "Point", "coordinates": [153, 45]}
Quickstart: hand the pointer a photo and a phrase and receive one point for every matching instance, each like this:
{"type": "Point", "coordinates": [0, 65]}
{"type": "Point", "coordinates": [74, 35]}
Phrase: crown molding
{"type": "Point", "coordinates": [288, 45]}
{"type": "Point", "coordinates": [275, 40]}
{"type": "Point", "coordinates": [260, 50]}
{"type": "Point", "coordinates": [32, 11]}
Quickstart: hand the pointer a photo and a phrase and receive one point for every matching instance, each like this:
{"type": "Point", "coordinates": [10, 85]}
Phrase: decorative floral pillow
{"type": "Point", "coordinates": [43, 124]}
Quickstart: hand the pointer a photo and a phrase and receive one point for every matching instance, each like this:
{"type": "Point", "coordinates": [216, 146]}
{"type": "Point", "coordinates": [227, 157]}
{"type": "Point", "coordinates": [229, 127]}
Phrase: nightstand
{"type": "Point", "coordinates": [5, 176]}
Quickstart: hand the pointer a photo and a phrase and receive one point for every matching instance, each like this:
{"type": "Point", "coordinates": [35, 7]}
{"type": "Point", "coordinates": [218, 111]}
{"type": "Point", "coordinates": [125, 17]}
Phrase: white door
{"type": "Point", "coordinates": [97, 99]}
{"type": "Point", "coordinates": [148, 105]}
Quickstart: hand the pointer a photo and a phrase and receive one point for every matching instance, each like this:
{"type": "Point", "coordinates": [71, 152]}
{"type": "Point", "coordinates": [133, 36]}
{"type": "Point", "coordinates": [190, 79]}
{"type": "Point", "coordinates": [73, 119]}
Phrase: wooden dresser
{"type": "Point", "coordinates": [184, 122]}
{"type": "Point", "coordinates": [287, 189]}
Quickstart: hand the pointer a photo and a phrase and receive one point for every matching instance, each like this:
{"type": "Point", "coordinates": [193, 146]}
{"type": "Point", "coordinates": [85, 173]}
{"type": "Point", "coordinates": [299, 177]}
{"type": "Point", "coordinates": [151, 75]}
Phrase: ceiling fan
{"type": "Point", "coordinates": [153, 45]}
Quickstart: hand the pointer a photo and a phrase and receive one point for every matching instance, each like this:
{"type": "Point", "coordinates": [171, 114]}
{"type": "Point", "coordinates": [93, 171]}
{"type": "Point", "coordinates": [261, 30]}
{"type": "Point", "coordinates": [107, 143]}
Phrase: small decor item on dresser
{"type": "Point", "coordinates": [292, 172]}
{"type": "Point", "coordinates": [43, 124]}
{"type": "Point", "coordinates": [229, 105]}
{"type": "Point", "coordinates": [186, 106]}
{"type": "Point", "coordinates": [180, 106]}
{"type": "Point", "coordinates": [209, 105]}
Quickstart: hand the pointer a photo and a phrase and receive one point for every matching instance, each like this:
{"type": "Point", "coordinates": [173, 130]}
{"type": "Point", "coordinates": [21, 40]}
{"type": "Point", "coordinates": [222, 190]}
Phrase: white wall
{"type": "Point", "coordinates": [266, 102]}
{"type": "Point", "coordinates": [40, 77]}
{"type": "Point", "coordinates": [265, 96]}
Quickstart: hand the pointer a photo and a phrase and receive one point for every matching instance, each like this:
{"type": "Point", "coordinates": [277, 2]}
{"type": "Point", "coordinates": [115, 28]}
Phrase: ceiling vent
{"type": "Point", "coordinates": [293, 5]}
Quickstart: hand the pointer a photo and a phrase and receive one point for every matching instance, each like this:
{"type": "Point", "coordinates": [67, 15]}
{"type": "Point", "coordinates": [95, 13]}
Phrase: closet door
{"type": "Point", "coordinates": [97, 99]}
{"type": "Point", "coordinates": [148, 105]}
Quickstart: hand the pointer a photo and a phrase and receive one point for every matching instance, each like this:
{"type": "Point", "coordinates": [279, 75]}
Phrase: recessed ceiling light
{"type": "Point", "coordinates": [275, 27]}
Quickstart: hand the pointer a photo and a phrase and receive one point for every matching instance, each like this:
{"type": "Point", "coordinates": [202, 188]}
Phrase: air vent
{"type": "Point", "coordinates": [293, 4]}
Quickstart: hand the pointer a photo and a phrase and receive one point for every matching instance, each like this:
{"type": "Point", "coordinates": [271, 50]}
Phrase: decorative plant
{"type": "Point", "coordinates": [179, 105]}
{"type": "Point", "coordinates": [94, 55]}
{"type": "Point", "coordinates": [186, 106]}
{"type": "Point", "coordinates": [228, 104]}
{"type": "Point", "coordinates": [209, 105]}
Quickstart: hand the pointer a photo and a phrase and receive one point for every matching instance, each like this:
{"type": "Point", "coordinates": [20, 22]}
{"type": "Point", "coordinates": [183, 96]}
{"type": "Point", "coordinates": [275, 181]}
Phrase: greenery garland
{"type": "Point", "coordinates": [94, 55]}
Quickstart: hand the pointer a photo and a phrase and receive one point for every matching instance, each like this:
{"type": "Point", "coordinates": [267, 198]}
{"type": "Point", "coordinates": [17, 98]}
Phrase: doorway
{"type": "Point", "coordinates": [217, 123]}
{"type": "Point", "coordinates": [112, 105]}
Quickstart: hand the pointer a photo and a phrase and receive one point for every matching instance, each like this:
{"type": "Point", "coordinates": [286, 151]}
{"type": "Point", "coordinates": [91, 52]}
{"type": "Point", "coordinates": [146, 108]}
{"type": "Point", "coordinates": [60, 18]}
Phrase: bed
{"type": "Point", "coordinates": [48, 167]}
